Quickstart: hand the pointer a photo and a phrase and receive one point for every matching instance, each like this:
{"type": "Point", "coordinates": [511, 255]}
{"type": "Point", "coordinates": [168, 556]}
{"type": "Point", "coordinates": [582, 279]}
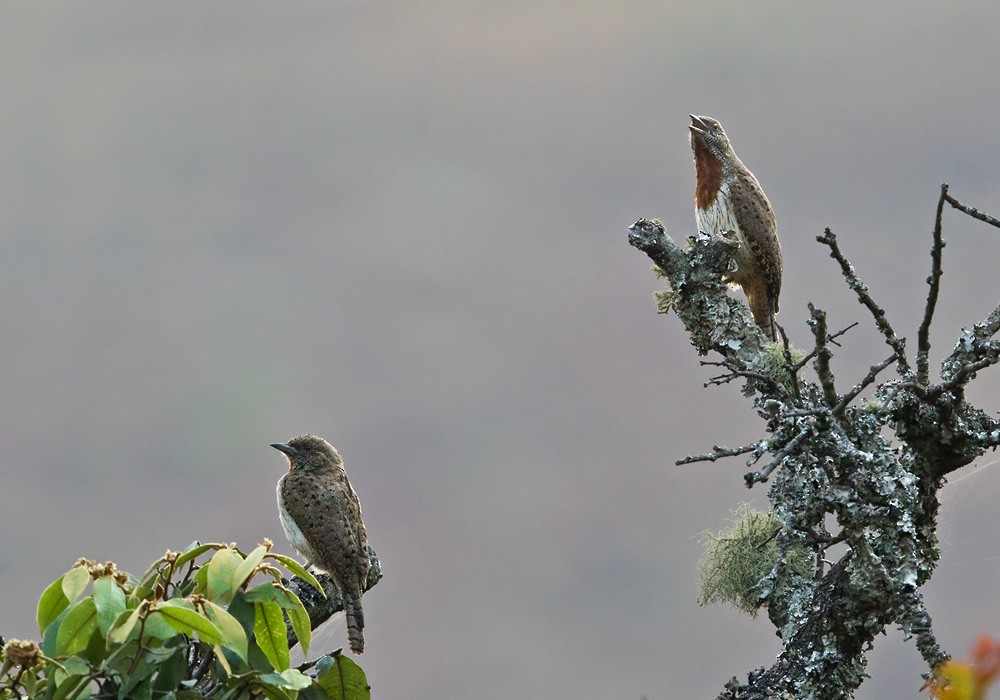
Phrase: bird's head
{"type": "Point", "coordinates": [309, 452]}
{"type": "Point", "coordinates": [707, 134]}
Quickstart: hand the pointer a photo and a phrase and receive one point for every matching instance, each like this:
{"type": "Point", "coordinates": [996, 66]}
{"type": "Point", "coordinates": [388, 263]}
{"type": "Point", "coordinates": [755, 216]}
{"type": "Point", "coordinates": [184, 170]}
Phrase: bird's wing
{"type": "Point", "coordinates": [339, 516]}
{"type": "Point", "coordinates": [756, 221]}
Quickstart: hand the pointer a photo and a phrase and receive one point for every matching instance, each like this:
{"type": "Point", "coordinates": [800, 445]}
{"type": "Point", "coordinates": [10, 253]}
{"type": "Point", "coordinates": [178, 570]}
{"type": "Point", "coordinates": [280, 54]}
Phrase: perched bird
{"type": "Point", "coordinates": [321, 516]}
{"type": "Point", "coordinates": [728, 198]}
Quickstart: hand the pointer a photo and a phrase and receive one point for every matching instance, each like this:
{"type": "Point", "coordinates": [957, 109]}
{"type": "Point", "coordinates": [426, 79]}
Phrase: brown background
{"type": "Point", "coordinates": [403, 226]}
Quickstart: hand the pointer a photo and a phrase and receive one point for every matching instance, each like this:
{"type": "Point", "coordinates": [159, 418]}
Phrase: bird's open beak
{"type": "Point", "coordinates": [697, 124]}
{"type": "Point", "coordinates": [284, 447]}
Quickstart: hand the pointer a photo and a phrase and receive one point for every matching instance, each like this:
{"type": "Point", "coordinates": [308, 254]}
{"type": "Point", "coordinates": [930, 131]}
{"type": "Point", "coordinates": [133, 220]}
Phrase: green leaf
{"type": "Point", "coordinates": [171, 671]}
{"type": "Point", "coordinates": [299, 570]}
{"type": "Point", "coordinates": [298, 616]}
{"type": "Point", "coordinates": [342, 679]}
{"type": "Point", "coordinates": [110, 602]}
{"type": "Point", "coordinates": [295, 679]}
{"type": "Point", "coordinates": [263, 593]}
{"type": "Point", "coordinates": [142, 691]}
{"type": "Point", "coordinates": [242, 611]}
{"type": "Point", "coordinates": [272, 691]}
{"type": "Point", "coordinates": [72, 687]}
{"type": "Point", "coordinates": [233, 636]}
{"type": "Point", "coordinates": [123, 627]}
{"type": "Point", "coordinates": [201, 580]}
{"type": "Point", "coordinates": [144, 586]}
{"type": "Point", "coordinates": [73, 666]}
{"type": "Point", "coordinates": [221, 575]}
{"type": "Point", "coordinates": [52, 602]}
{"type": "Point", "coordinates": [289, 679]}
{"type": "Point", "coordinates": [76, 628]}
{"type": "Point", "coordinates": [181, 615]}
{"type": "Point", "coordinates": [168, 662]}
{"type": "Point", "coordinates": [121, 658]}
{"type": "Point", "coordinates": [31, 683]}
{"type": "Point", "coordinates": [269, 631]}
{"type": "Point", "coordinates": [244, 570]}
{"type": "Point", "coordinates": [51, 633]}
{"type": "Point", "coordinates": [194, 551]}
{"type": "Point", "coordinates": [157, 627]}
{"type": "Point", "coordinates": [137, 671]}
{"type": "Point", "coordinates": [75, 581]}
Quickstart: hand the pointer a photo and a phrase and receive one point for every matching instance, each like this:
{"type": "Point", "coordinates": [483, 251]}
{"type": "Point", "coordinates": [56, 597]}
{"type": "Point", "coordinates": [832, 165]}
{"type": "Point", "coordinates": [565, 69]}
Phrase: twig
{"type": "Point", "coordinates": [718, 452]}
{"type": "Point", "coordinates": [823, 355]}
{"type": "Point", "coordinates": [789, 365]}
{"type": "Point", "coordinates": [206, 660]}
{"type": "Point", "coordinates": [923, 333]}
{"type": "Point", "coordinates": [989, 327]}
{"type": "Point", "coordinates": [965, 372]}
{"type": "Point", "coordinates": [802, 413]}
{"type": "Point", "coordinates": [861, 289]}
{"type": "Point", "coordinates": [869, 378]}
{"type": "Point", "coordinates": [830, 339]}
{"type": "Point", "coordinates": [736, 372]}
{"type": "Point", "coordinates": [972, 211]}
{"type": "Point", "coordinates": [762, 475]}
{"type": "Point", "coordinates": [824, 539]}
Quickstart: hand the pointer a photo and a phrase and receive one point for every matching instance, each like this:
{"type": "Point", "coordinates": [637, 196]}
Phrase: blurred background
{"type": "Point", "coordinates": [402, 226]}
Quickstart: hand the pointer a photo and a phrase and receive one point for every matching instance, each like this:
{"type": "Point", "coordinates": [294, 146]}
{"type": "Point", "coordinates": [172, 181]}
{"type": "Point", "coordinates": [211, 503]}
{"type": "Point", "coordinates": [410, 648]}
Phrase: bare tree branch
{"type": "Point", "coordinates": [862, 385]}
{"type": "Point", "coordinates": [832, 339]}
{"type": "Point", "coordinates": [934, 281]}
{"type": "Point", "coordinates": [972, 211]}
{"type": "Point", "coordinates": [793, 444]}
{"type": "Point", "coordinates": [861, 289]}
{"type": "Point", "coordinates": [718, 452]}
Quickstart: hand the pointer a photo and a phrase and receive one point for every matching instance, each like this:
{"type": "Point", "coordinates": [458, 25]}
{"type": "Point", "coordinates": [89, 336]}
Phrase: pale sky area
{"type": "Point", "coordinates": [403, 226]}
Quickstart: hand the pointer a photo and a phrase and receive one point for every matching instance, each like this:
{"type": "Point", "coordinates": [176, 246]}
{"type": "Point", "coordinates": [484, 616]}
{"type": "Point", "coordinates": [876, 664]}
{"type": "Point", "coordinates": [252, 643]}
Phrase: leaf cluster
{"type": "Point", "coordinates": [208, 622]}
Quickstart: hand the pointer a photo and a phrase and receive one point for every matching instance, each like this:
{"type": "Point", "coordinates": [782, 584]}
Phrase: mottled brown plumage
{"type": "Point", "coordinates": [729, 198]}
{"type": "Point", "coordinates": [321, 516]}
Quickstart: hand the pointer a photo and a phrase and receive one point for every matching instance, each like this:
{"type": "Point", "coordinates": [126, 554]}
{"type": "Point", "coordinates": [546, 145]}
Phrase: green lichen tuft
{"type": "Point", "coordinates": [776, 366]}
{"type": "Point", "coordinates": [665, 299]}
{"type": "Point", "coordinates": [738, 558]}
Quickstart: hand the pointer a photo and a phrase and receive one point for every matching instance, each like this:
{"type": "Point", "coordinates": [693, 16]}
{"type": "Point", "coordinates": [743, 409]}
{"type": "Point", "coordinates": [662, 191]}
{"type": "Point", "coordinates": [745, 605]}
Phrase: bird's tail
{"type": "Point", "coordinates": [772, 327]}
{"type": "Point", "coordinates": [355, 624]}
{"type": "Point", "coordinates": [762, 309]}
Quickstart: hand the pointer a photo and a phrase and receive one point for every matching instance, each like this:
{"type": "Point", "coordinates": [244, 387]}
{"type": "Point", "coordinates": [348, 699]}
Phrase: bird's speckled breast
{"type": "Point", "coordinates": [292, 531]}
{"type": "Point", "coordinates": [719, 217]}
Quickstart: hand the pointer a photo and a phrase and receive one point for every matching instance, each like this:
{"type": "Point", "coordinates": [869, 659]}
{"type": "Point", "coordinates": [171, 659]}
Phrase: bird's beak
{"type": "Point", "coordinates": [284, 447]}
{"type": "Point", "coordinates": [697, 124]}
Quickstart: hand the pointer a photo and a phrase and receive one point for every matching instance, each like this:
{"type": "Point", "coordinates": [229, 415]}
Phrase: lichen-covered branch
{"type": "Point", "coordinates": [720, 452]}
{"type": "Point", "coordinates": [714, 319]}
{"type": "Point", "coordinates": [832, 457]}
{"type": "Point", "coordinates": [823, 355]}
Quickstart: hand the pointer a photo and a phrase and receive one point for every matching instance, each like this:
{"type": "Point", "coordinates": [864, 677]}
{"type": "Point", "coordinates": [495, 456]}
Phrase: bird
{"type": "Point", "coordinates": [728, 198]}
{"type": "Point", "coordinates": [321, 516]}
